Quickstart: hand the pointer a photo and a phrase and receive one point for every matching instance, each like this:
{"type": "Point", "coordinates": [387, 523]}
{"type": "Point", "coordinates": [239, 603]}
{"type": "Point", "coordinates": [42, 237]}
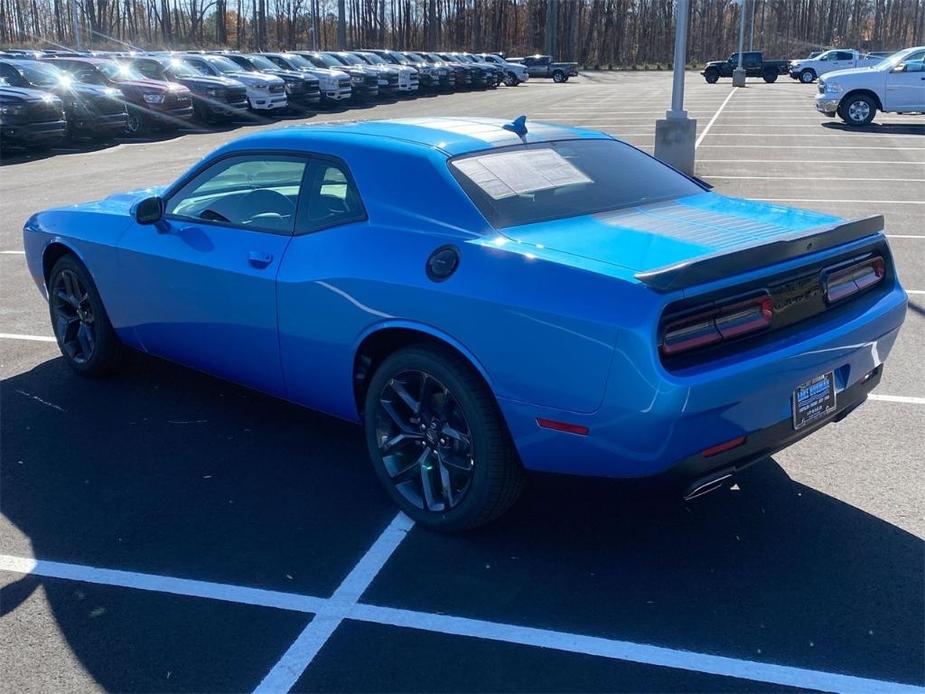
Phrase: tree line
{"type": "Point", "coordinates": [596, 33]}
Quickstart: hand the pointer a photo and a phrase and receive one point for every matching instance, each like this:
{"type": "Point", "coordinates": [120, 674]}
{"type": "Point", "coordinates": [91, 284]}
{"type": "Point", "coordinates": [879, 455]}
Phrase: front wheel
{"type": "Point", "coordinates": [510, 80]}
{"type": "Point", "coordinates": [438, 442]}
{"type": "Point", "coordinates": [82, 328]}
{"type": "Point", "coordinates": [135, 123]}
{"type": "Point", "coordinates": [807, 76]}
{"type": "Point", "coordinates": [558, 76]}
{"type": "Point", "coordinates": [711, 76]}
{"type": "Point", "coordinates": [857, 110]}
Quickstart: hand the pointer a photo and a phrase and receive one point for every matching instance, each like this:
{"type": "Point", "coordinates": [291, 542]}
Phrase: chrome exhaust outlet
{"type": "Point", "coordinates": [705, 487]}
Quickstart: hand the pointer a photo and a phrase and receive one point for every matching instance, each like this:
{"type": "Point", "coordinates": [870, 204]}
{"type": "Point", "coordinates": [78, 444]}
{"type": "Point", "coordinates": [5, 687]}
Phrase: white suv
{"type": "Point", "coordinates": [897, 85]}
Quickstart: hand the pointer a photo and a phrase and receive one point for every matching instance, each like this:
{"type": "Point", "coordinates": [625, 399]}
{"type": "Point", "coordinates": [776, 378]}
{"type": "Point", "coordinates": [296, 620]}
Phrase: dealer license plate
{"type": "Point", "coordinates": [814, 400]}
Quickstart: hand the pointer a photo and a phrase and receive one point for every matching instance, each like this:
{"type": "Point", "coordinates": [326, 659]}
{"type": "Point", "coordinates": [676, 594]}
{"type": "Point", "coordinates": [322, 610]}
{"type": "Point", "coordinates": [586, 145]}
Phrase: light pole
{"type": "Point", "coordinates": [738, 75]}
{"type": "Point", "coordinates": [675, 134]}
{"type": "Point", "coordinates": [75, 22]}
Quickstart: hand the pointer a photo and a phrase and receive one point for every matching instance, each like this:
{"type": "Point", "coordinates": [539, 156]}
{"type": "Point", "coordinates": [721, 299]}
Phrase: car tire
{"type": "Point", "coordinates": [857, 110]}
{"type": "Point", "coordinates": [81, 325]}
{"type": "Point", "coordinates": [135, 124]}
{"type": "Point", "coordinates": [444, 481]}
{"type": "Point", "coordinates": [807, 76]}
{"type": "Point", "coordinates": [559, 77]}
{"type": "Point", "coordinates": [770, 76]}
{"type": "Point", "coordinates": [711, 75]}
{"type": "Point", "coordinates": [510, 80]}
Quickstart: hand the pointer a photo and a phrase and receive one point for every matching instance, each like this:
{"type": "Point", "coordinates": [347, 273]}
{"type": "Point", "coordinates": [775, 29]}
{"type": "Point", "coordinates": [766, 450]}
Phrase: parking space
{"type": "Point", "coordinates": [167, 531]}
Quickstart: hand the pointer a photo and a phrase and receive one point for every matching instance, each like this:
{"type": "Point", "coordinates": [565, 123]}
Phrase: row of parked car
{"type": "Point", "coordinates": [47, 96]}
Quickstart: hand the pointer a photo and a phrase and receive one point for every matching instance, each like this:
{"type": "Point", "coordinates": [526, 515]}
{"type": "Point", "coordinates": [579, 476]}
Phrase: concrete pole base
{"type": "Point", "coordinates": [674, 142]}
{"type": "Point", "coordinates": [738, 77]}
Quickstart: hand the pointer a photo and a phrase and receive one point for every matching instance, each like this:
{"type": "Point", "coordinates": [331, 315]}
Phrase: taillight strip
{"type": "Point", "coordinates": [717, 324]}
{"type": "Point", "coordinates": [844, 281]}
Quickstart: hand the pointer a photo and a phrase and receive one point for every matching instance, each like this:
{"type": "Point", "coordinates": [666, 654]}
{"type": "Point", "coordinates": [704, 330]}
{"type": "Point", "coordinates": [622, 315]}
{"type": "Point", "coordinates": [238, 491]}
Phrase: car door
{"type": "Point", "coordinates": [319, 316]}
{"type": "Point", "coordinates": [201, 282]}
{"type": "Point", "coordinates": [905, 85]}
{"type": "Point", "coordinates": [841, 60]}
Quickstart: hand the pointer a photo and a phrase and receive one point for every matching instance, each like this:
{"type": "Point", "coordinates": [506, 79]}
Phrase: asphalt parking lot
{"type": "Point", "coordinates": [165, 531]}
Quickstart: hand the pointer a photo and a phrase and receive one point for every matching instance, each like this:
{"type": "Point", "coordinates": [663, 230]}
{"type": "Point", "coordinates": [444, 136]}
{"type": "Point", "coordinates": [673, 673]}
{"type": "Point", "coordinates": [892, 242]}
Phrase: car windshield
{"type": "Point", "coordinates": [262, 62]}
{"type": "Point", "coordinates": [41, 75]}
{"type": "Point", "coordinates": [895, 59]}
{"type": "Point", "coordinates": [180, 69]}
{"type": "Point", "coordinates": [433, 57]}
{"type": "Point", "coordinates": [223, 64]}
{"type": "Point", "coordinates": [372, 58]}
{"type": "Point", "coordinates": [119, 71]}
{"type": "Point", "coordinates": [349, 59]}
{"type": "Point", "coordinates": [298, 61]}
{"type": "Point", "coordinates": [414, 57]}
{"type": "Point", "coordinates": [566, 178]}
{"type": "Point", "coordinates": [325, 60]}
{"type": "Point", "coordinates": [398, 58]}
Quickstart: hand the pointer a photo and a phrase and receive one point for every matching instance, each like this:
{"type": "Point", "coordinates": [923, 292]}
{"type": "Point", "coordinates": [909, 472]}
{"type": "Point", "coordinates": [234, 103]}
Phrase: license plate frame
{"type": "Point", "coordinates": [813, 400]}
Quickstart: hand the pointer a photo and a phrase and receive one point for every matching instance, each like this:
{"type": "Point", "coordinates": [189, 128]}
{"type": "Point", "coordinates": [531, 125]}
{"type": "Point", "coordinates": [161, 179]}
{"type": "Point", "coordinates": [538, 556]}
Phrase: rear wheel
{"type": "Point", "coordinates": [559, 76]}
{"type": "Point", "coordinates": [807, 76]}
{"type": "Point", "coordinates": [857, 110]}
{"type": "Point", "coordinates": [82, 328]}
{"type": "Point", "coordinates": [711, 75]}
{"type": "Point", "coordinates": [770, 76]}
{"type": "Point", "coordinates": [438, 442]}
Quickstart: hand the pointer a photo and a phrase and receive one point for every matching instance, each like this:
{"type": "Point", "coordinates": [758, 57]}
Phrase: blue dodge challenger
{"type": "Point", "coordinates": [548, 298]}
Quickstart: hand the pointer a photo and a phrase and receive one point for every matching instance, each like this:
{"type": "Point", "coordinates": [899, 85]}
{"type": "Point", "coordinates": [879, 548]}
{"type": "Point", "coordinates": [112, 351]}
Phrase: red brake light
{"type": "Point", "coordinates": [844, 282]}
{"type": "Point", "coordinates": [702, 328]}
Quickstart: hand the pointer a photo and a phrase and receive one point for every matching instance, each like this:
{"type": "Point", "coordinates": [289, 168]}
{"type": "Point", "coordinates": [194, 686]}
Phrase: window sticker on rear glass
{"type": "Point", "coordinates": [507, 174]}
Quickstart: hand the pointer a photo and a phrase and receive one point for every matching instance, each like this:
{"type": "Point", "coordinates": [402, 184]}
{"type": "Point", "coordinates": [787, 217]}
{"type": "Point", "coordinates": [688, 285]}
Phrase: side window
{"type": "Point", "coordinates": [330, 199]}
{"type": "Point", "coordinates": [148, 69]}
{"type": "Point", "coordinates": [11, 76]}
{"type": "Point", "coordinates": [842, 55]}
{"type": "Point", "coordinates": [529, 62]}
{"type": "Point", "coordinates": [915, 62]}
{"type": "Point", "coordinates": [258, 192]}
{"type": "Point", "coordinates": [85, 74]}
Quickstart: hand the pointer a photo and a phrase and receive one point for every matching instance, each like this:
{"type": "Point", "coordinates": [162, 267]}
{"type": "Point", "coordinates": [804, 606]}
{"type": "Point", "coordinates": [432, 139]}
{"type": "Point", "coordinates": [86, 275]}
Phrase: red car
{"type": "Point", "coordinates": [151, 103]}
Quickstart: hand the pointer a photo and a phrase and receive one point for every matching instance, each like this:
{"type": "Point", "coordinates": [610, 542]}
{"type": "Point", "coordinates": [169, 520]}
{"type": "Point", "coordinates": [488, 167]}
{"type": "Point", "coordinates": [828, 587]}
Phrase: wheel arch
{"type": "Point", "coordinates": [386, 338]}
{"type": "Point", "coordinates": [866, 92]}
{"type": "Point", "coordinates": [53, 252]}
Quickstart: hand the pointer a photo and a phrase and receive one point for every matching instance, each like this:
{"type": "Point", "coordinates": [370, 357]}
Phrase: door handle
{"type": "Point", "coordinates": [259, 259]}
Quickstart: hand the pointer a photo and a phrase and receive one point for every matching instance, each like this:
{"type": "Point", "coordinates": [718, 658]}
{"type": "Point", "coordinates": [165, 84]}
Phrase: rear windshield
{"type": "Point", "coordinates": [566, 178]}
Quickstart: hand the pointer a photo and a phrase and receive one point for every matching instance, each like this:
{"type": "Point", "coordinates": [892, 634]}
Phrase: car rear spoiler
{"type": "Point", "coordinates": [719, 265]}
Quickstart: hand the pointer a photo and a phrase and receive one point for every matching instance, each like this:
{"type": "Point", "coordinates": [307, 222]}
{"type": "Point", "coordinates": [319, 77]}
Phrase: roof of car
{"type": "Point", "coordinates": [451, 135]}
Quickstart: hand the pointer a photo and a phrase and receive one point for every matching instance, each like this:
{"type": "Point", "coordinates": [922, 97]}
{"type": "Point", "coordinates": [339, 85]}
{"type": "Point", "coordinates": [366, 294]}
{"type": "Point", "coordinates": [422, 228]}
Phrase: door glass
{"type": "Point", "coordinates": [332, 198]}
{"type": "Point", "coordinates": [256, 192]}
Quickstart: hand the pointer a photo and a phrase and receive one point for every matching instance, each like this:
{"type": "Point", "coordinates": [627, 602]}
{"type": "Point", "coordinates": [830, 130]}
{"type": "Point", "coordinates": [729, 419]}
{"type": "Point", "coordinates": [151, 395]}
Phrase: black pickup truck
{"type": "Point", "coordinates": [754, 64]}
{"type": "Point", "coordinates": [543, 66]}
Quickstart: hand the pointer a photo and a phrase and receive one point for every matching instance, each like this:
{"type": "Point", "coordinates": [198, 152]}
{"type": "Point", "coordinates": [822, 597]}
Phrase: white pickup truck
{"type": "Point", "coordinates": [808, 70]}
{"type": "Point", "coordinates": [896, 85]}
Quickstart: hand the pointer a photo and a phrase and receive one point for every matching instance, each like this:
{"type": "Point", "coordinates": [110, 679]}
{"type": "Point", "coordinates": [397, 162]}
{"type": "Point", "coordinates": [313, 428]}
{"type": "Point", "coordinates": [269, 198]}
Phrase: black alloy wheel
{"type": "Point", "coordinates": [424, 441]}
{"type": "Point", "coordinates": [437, 440]}
{"type": "Point", "coordinates": [134, 125]}
{"type": "Point", "coordinates": [510, 80]}
{"type": "Point", "coordinates": [558, 76]}
{"type": "Point", "coordinates": [80, 323]}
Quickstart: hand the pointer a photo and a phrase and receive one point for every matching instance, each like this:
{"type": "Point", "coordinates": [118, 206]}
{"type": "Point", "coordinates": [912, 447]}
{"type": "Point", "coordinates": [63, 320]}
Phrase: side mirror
{"type": "Point", "coordinates": [149, 210]}
{"type": "Point", "coordinates": [899, 68]}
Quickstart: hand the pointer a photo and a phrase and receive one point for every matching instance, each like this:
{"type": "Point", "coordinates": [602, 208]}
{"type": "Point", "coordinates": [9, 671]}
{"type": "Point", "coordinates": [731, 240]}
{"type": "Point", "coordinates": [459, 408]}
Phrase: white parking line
{"type": "Point", "coordinates": [12, 252]}
{"type": "Point", "coordinates": [30, 338]}
{"type": "Point", "coordinates": [704, 132]}
{"type": "Point", "coordinates": [916, 291]}
{"type": "Point", "coordinates": [905, 236]}
{"type": "Point", "coordinates": [300, 654]}
{"type": "Point", "coordinates": [360, 577]}
{"type": "Point", "coordinates": [903, 399]}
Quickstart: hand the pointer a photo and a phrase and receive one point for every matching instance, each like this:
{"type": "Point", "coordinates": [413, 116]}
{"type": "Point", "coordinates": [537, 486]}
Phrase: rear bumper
{"type": "Point", "coordinates": [651, 421]}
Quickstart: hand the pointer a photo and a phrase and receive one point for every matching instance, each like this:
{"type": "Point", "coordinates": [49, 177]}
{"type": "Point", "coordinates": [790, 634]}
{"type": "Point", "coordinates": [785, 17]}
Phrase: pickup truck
{"type": "Point", "coordinates": [752, 61]}
{"type": "Point", "coordinates": [809, 70]}
{"type": "Point", "coordinates": [543, 66]}
{"type": "Point", "coordinates": [895, 85]}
